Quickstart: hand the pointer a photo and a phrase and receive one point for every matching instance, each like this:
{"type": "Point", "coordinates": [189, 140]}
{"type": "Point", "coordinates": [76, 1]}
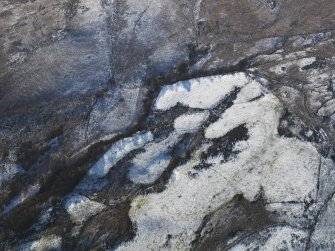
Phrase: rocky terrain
{"type": "Point", "coordinates": [167, 125]}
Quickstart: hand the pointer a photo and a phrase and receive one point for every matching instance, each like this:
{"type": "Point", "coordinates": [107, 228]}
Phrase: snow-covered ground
{"type": "Point", "coordinates": [190, 122]}
{"type": "Point", "coordinates": [282, 169]}
{"type": "Point", "coordinates": [149, 165]}
{"type": "Point", "coordinates": [117, 152]}
{"type": "Point", "coordinates": [199, 93]}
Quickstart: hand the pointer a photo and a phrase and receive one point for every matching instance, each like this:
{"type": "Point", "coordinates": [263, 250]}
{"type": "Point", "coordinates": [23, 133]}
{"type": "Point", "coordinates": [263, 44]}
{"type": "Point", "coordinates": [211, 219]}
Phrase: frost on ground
{"type": "Point", "coordinates": [281, 169]}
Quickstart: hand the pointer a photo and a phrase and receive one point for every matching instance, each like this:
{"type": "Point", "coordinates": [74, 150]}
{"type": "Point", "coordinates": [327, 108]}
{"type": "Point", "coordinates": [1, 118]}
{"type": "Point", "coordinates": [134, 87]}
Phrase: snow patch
{"type": "Point", "coordinates": [286, 170]}
{"type": "Point", "coordinates": [273, 157]}
{"type": "Point", "coordinates": [147, 171]}
{"type": "Point", "coordinates": [81, 208]}
{"type": "Point", "coordinates": [201, 92]}
{"type": "Point", "coordinates": [117, 152]}
{"type": "Point", "coordinates": [190, 122]}
{"type": "Point", "coordinates": [149, 165]}
{"type": "Point", "coordinates": [249, 92]}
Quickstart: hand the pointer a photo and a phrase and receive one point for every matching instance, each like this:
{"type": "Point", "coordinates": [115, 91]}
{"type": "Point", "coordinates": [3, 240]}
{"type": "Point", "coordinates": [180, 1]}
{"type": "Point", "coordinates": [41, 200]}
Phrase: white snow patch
{"type": "Point", "coordinates": [241, 145]}
{"type": "Point", "coordinates": [190, 122]}
{"type": "Point", "coordinates": [117, 152]}
{"type": "Point", "coordinates": [51, 242]}
{"type": "Point", "coordinates": [201, 92]}
{"type": "Point", "coordinates": [249, 92]}
{"type": "Point", "coordinates": [285, 168]}
{"type": "Point", "coordinates": [146, 171]}
{"type": "Point", "coordinates": [81, 208]}
{"type": "Point", "coordinates": [267, 153]}
{"type": "Point", "coordinates": [262, 117]}
{"type": "Point", "coordinates": [149, 165]}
